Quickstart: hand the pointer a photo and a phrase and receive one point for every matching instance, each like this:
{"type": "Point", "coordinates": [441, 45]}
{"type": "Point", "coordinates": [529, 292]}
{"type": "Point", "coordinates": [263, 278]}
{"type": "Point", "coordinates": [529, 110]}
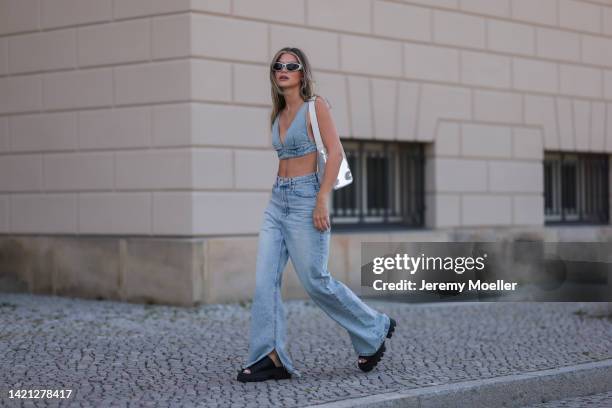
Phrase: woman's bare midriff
{"type": "Point", "coordinates": [298, 166]}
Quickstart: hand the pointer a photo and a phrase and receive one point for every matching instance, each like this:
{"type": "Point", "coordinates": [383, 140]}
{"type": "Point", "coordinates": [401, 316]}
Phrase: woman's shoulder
{"type": "Point", "coordinates": [321, 100]}
{"type": "Point", "coordinates": [321, 104]}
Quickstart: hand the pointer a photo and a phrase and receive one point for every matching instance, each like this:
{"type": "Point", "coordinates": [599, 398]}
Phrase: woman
{"type": "Point", "coordinates": [296, 225]}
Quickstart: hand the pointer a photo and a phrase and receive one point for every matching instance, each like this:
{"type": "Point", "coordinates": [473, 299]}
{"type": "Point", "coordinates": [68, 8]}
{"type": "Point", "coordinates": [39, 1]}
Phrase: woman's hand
{"type": "Point", "coordinates": [320, 215]}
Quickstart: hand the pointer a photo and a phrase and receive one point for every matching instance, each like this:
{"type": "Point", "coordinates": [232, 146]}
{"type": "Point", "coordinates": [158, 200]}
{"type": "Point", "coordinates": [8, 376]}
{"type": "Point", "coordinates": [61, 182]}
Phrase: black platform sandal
{"type": "Point", "coordinates": [263, 370]}
{"type": "Point", "coordinates": [372, 361]}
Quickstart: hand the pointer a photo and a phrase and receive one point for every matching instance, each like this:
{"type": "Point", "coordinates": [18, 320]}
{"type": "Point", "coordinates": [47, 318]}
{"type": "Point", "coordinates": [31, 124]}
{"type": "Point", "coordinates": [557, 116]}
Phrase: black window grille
{"type": "Point", "coordinates": [387, 188]}
{"type": "Point", "coordinates": [576, 188]}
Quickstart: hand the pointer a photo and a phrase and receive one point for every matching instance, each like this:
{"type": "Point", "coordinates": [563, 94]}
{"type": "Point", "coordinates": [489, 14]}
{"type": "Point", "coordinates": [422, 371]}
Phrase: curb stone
{"type": "Point", "coordinates": [516, 390]}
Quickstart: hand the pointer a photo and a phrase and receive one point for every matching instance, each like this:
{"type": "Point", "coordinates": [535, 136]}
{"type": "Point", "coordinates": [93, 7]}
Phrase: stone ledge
{"type": "Point", "coordinates": [188, 271]}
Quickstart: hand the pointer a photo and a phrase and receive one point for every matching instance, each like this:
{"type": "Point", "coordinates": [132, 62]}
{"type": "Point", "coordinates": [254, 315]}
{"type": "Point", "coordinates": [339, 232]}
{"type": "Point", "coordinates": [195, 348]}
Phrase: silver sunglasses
{"type": "Point", "coordinates": [289, 66]}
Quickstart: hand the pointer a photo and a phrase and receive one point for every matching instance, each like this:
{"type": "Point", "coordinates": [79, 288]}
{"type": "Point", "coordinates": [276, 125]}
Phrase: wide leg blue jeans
{"type": "Point", "coordinates": [288, 231]}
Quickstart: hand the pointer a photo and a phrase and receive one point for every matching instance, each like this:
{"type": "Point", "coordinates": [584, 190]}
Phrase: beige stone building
{"type": "Point", "coordinates": [135, 148]}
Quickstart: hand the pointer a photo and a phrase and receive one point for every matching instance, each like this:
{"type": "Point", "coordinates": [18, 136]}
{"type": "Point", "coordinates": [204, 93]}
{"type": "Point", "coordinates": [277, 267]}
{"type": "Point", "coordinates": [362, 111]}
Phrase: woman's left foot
{"type": "Point", "coordinates": [367, 363]}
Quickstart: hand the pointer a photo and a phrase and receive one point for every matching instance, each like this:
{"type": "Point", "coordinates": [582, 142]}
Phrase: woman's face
{"type": "Point", "coordinates": [284, 77]}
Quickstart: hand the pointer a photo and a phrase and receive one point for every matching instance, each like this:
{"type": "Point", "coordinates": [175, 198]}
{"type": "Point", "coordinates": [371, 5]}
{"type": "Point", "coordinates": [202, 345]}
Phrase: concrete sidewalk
{"type": "Point", "coordinates": [465, 354]}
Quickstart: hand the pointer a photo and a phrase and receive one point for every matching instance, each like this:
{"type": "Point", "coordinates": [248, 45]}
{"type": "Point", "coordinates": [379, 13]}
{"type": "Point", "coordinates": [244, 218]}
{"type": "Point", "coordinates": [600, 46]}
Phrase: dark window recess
{"type": "Point", "coordinates": [387, 188]}
{"type": "Point", "coordinates": [576, 188]}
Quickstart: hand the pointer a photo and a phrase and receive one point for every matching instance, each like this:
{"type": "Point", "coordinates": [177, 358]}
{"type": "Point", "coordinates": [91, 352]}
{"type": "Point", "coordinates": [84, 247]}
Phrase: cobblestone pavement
{"type": "Point", "coordinates": [598, 400]}
{"type": "Point", "coordinates": [120, 354]}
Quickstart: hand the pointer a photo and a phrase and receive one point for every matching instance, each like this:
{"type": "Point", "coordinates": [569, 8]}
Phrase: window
{"type": "Point", "coordinates": [576, 188]}
{"type": "Point", "coordinates": [387, 189]}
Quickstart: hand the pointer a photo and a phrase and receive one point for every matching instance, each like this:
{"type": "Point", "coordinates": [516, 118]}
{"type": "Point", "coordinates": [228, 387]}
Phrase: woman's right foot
{"type": "Point", "coordinates": [273, 356]}
{"type": "Point", "coordinates": [264, 369]}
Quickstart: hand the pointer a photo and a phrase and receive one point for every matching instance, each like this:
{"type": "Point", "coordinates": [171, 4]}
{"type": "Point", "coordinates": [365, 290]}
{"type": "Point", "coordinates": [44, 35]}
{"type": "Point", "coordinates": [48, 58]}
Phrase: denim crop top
{"type": "Point", "coordinates": [297, 143]}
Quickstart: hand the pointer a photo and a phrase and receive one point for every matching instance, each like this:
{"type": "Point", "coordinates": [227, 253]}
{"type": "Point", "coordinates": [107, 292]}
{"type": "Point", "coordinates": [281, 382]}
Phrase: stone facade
{"type": "Point", "coordinates": [119, 138]}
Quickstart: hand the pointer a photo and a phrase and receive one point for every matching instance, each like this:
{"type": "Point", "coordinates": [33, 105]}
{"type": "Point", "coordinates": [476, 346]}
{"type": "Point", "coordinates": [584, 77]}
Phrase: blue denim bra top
{"type": "Point", "coordinates": [297, 143]}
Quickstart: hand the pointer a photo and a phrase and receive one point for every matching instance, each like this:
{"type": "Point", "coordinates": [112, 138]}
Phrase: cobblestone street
{"type": "Point", "coordinates": [120, 354]}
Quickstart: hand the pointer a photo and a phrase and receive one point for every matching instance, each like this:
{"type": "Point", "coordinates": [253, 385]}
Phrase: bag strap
{"type": "Point", "coordinates": [315, 124]}
{"type": "Point", "coordinates": [315, 127]}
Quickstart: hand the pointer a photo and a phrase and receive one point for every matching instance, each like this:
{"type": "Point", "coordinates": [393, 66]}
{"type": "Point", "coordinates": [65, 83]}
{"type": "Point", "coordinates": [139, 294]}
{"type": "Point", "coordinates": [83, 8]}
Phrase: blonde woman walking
{"type": "Point", "coordinates": [296, 225]}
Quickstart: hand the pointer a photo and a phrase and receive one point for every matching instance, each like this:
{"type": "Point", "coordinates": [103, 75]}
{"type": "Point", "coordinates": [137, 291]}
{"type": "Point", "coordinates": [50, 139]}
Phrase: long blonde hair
{"type": "Point", "coordinates": [307, 82]}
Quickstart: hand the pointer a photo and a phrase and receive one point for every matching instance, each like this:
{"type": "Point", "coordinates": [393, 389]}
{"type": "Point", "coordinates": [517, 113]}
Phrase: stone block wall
{"type": "Point", "coordinates": [123, 119]}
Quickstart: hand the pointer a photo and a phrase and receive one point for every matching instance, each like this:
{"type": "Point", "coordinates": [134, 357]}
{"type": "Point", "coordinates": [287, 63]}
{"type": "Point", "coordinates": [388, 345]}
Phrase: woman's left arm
{"type": "Point", "coordinates": [331, 140]}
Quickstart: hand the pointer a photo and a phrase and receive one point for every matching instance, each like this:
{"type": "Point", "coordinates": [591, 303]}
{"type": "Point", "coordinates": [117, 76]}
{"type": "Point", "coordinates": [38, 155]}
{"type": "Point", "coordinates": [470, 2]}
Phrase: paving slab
{"type": "Point", "coordinates": [122, 354]}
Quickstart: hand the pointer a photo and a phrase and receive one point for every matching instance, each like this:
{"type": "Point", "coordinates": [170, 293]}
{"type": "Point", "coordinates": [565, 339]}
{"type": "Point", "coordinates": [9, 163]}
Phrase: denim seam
{"type": "Point", "coordinates": [321, 235]}
{"type": "Point", "coordinates": [276, 281]}
{"type": "Point", "coordinates": [277, 287]}
{"type": "Point", "coordinates": [274, 329]}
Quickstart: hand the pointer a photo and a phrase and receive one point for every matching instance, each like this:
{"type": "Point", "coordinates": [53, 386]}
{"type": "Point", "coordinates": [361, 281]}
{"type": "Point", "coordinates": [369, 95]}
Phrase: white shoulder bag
{"type": "Point", "coordinates": [344, 174]}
